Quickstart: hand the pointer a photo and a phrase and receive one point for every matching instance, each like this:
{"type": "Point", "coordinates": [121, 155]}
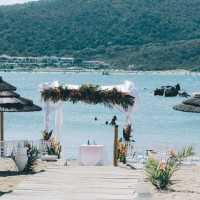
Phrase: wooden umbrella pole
{"type": "Point", "coordinates": [2, 126]}
{"type": "Point", "coordinates": [115, 146]}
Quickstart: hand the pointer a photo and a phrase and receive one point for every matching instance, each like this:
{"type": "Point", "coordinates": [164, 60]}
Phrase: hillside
{"type": "Point", "coordinates": [147, 34]}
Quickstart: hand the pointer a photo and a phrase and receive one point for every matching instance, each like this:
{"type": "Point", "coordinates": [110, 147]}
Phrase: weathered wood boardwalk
{"type": "Point", "coordinates": [78, 183]}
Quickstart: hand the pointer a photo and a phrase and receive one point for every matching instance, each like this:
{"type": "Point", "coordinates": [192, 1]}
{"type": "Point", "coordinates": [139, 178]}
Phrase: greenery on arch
{"type": "Point", "coordinates": [90, 94]}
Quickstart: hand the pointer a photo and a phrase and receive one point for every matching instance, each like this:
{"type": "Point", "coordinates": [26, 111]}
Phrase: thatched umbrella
{"type": "Point", "coordinates": [190, 105]}
{"type": "Point", "coordinates": [4, 86]}
{"type": "Point", "coordinates": [12, 102]}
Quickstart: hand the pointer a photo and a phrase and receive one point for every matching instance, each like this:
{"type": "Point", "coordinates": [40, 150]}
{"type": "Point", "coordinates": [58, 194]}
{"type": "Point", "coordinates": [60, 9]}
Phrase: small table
{"type": "Point", "coordinates": [93, 155]}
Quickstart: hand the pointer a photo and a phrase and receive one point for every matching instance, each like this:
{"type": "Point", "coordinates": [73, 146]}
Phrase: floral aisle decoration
{"type": "Point", "coordinates": [31, 153]}
{"type": "Point", "coordinates": [54, 148]}
{"type": "Point", "coordinates": [160, 173]}
{"type": "Point", "coordinates": [127, 133]}
{"type": "Point", "coordinates": [90, 94]}
{"type": "Point", "coordinates": [47, 135]}
{"type": "Point", "coordinates": [122, 151]}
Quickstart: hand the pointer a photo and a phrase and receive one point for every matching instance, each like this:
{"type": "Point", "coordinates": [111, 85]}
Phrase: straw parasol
{"type": "Point", "coordinates": [4, 86]}
{"type": "Point", "coordinates": [12, 102]}
{"type": "Point", "coordinates": [190, 105]}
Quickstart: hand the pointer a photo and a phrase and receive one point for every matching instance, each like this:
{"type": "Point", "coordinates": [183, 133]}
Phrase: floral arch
{"type": "Point", "coordinates": [123, 97]}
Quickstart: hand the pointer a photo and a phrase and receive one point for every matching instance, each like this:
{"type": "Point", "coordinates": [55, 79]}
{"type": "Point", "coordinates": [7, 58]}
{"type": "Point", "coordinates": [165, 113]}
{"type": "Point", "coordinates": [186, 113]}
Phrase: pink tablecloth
{"type": "Point", "coordinates": [93, 155]}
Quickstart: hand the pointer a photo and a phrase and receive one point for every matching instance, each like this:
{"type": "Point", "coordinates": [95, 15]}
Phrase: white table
{"type": "Point", "coordinates": [93, 155]}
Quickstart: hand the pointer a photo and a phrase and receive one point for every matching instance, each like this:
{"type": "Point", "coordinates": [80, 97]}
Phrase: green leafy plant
{"type": "Point", "coordinates": [12, 155]}
{"type": "Point", "coordinates": [32, 154]}
{"type": "Point", "coordinates": [127, 133]}
{"type": "Point", "coordinates": [47, 135]}
{"type": "Point", "coordinates": [120, 139]}
{"type": "Point", "coordinates": [54, 148]}
{"type": "Point", "coordinates": [160, 174]}
{"type": "Point", "coordinates": [122, 153]}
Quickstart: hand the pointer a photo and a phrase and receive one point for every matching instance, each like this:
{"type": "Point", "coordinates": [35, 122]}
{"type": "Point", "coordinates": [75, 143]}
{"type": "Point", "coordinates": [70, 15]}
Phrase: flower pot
{"type": "Point", "coordinates": [43, 146]}
{"type": "Point", "coordinates": [142, 191]}
{"type": "Point", "coordinates": [21, 158]}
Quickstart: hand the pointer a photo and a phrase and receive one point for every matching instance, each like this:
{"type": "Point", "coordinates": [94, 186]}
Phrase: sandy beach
{"type": "Point", "coordinates": [186, 185]}
{"type": "Point", "coordinates": [186, 180]}
{"type": "Point", "coordinates": [116, 71]}
{"type": "Point", "coordinates": [164, 72]}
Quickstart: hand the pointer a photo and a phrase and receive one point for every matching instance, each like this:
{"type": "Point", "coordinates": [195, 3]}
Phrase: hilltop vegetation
{"type": "Point", "coordinates": [141, 34]}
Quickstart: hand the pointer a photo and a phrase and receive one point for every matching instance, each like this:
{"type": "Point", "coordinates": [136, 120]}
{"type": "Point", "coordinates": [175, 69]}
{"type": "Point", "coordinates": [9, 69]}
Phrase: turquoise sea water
{"type": "Point", "coordinates": [155, 121]}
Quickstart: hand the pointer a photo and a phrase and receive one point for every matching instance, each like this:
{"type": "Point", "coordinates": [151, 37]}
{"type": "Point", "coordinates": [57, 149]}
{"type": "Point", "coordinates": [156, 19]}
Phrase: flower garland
{"type": "Point", "coordinates": [90, 94]}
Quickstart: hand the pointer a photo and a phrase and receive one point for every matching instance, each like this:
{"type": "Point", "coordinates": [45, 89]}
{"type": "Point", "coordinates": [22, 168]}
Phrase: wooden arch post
{"type": "Point", "coordinates": [2, 126]}
{"type": "Point", "coordinates": [115, 146]}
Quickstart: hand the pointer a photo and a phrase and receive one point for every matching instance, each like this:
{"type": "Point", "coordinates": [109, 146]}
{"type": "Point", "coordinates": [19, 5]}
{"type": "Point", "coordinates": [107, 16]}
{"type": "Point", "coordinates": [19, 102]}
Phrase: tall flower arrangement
{"type": "Point", "coordinates": [160, 173]}
{"type": "Point", "coordinates": [47, 135]}
{"type": "Point", "coordinates": [122, 151]}
{"type": "Point", "coordinates": [32, 154]}
{"type": "Point", "coordinates": [54, 148]}
{"type": "Point", "coordinates": [90, 94]}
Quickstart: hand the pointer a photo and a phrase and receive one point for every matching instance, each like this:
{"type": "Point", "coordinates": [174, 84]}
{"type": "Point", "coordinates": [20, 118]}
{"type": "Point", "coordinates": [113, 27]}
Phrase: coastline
{"type": "Point", "coordinates": [111, 71]}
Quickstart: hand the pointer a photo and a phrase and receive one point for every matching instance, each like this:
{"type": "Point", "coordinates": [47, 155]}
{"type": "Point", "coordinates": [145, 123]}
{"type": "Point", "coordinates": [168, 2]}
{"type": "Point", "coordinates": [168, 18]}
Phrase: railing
{"type": "Point", "coordinates": [139, 153]}
{"type": "Point", "coordinates": [8, 148]}
{"type": "Point", "coordinates": [136, 152]}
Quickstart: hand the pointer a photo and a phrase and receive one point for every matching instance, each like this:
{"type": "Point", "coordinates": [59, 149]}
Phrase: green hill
{"type": "Point", "coordinates": [146, 34]}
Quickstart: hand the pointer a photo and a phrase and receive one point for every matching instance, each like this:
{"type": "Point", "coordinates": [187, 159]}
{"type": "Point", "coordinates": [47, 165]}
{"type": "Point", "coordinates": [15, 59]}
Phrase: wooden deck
{"type": "Point", "coordinates": [78, 183]}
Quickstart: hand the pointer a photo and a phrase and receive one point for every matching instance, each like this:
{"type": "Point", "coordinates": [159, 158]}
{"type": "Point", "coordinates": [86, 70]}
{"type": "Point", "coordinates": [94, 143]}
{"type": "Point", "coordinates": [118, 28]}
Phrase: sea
{"type": "Point", "coordinates": [154, 122]}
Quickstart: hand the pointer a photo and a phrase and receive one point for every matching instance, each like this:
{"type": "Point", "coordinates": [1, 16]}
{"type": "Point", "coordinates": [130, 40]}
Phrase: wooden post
{"type": "Point", "coordinates": [2, 126]}
{"type": "Point", "coordinates": [115, 146]}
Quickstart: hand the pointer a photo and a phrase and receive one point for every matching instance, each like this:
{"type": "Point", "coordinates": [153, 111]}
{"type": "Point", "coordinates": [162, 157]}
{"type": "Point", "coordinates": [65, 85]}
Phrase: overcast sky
{"type": "Point", "coordinates": [10, 2]}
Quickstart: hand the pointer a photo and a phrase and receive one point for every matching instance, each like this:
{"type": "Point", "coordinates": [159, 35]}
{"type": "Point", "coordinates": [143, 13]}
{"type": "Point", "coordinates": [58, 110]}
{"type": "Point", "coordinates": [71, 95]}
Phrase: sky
{"type": "Point", "coordinates": [10, 2]}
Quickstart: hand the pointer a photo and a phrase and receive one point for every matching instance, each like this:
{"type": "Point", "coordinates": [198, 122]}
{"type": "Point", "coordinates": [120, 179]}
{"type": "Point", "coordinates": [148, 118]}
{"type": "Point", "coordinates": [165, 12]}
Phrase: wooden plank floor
{"type": "Point", "coordinates": [78, 183]}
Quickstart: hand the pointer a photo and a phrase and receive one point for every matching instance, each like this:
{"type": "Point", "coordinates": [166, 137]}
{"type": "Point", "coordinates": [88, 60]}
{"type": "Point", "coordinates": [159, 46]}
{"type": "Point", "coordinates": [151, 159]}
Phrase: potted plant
{"type": "Point", "coordinates": [160, 173]}
{"type": "Point", "coordinates": [45, 140]}
{"type": "Point", "coordinates": [26, 158]}
{"type": "Point", "coordinates": [127, 133]}
{"type": "Point", "coordinates": [122, 151]}
{"type": "Point", "coordinates": [54, 150]}
{"type": "Point", "coordinates": [47, 135]}
{"type": "Point", "coordinates": [21, 157]}
{"type": "Point", "coordinates": [32, 154]}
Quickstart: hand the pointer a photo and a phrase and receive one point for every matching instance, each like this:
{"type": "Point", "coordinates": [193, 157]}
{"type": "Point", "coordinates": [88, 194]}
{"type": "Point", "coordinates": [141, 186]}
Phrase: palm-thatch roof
{"type": "Point", "coordinates": [19, 104]}
{"type": "Point", "coordinates": [190, 105]}
{"type": "Point", "coordinates": [4, 86]}
{"type": "Point", "coordinates": [8, 94]}
{"type": "Point", "coordinates": [12, 102]}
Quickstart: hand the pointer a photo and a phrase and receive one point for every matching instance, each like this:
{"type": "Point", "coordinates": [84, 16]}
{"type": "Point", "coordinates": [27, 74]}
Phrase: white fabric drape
{"type": "Point", "coordinates": [49, 106]}
{"type": "Point", "coordinates": [129, 88]}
